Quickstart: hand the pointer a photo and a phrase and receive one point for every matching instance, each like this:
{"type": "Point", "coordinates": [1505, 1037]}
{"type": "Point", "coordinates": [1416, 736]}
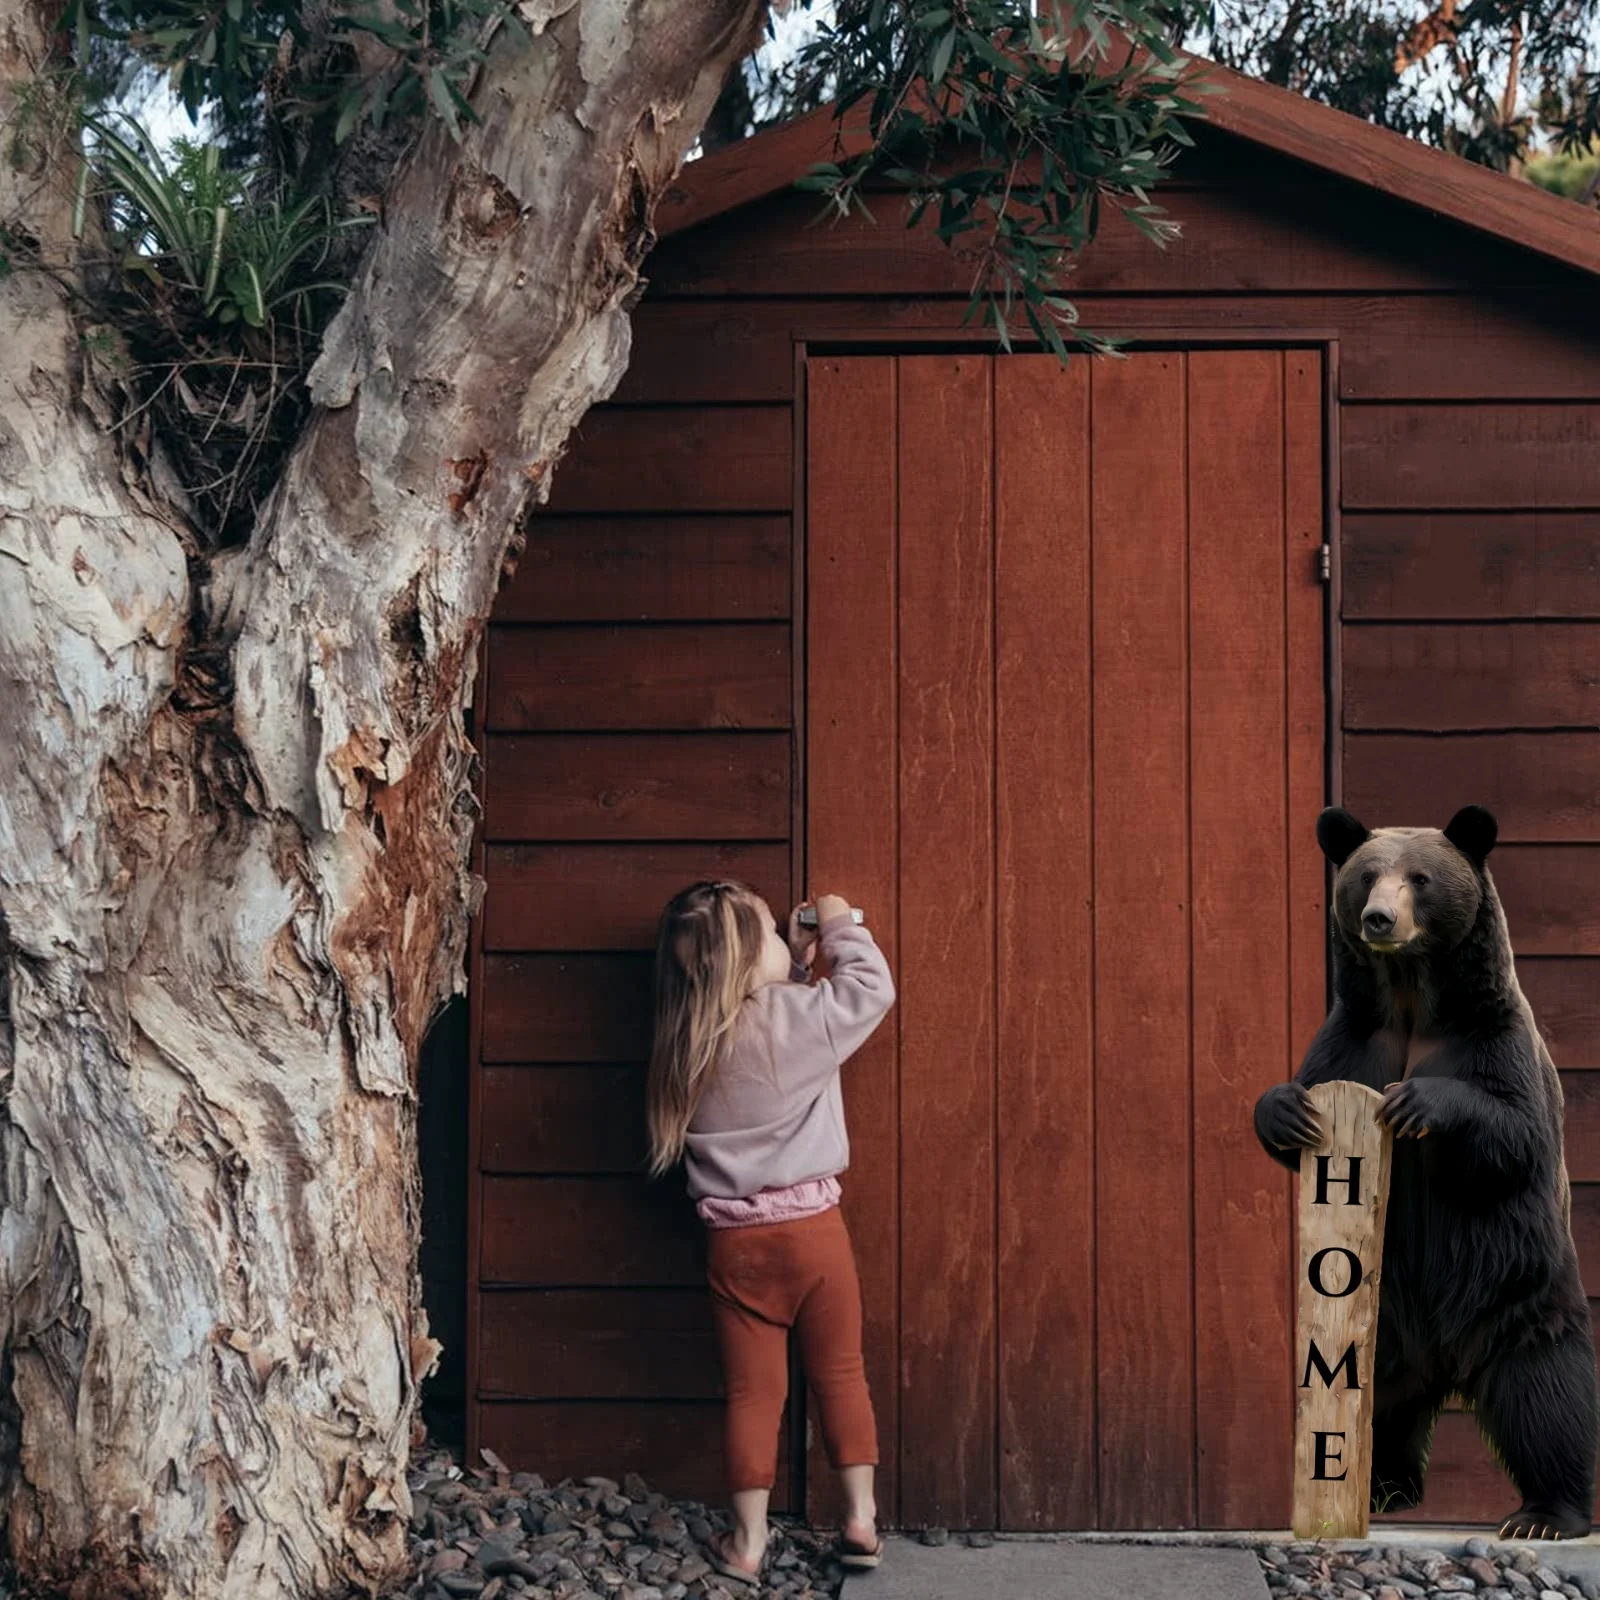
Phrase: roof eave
{"type": "Point", "coordinates": [1263, 114]}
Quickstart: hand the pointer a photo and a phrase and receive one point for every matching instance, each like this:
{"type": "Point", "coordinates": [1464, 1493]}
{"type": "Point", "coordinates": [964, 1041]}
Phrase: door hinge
{"type": "Point", "coordinates": [1325, 563]}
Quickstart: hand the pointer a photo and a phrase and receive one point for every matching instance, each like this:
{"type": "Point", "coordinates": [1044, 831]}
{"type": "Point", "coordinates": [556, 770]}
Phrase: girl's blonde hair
{"type": "Point", "coordinates": [707, 948]}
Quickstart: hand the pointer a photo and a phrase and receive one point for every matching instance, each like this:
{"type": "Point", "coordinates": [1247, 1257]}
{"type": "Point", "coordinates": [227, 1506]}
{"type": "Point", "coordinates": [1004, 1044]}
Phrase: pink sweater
{"type": "Point", "coordinates": [772, 1115]}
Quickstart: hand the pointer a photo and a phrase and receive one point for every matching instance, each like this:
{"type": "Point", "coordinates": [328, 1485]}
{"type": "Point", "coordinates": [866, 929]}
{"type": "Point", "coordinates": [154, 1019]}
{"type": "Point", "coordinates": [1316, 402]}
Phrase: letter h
{"type": "Point", "coordinates": [1352, 1183]}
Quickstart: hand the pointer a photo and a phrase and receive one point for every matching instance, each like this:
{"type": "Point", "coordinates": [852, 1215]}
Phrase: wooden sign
{"type": "Point", "coordinates": [1344, 1195]}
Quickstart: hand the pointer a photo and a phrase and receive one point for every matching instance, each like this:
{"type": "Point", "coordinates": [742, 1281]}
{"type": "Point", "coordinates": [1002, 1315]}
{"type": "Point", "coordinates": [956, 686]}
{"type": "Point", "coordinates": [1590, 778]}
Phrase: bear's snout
{"type": "Point", "coordinates": [1388, 918]}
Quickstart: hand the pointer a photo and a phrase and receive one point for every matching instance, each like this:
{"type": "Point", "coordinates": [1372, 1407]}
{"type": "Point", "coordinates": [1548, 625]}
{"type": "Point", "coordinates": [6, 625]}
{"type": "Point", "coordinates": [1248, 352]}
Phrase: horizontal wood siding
{"type": "Point", "coordinates": [638, 736]}
{"type": "Point", "coordinates": [640, 690]}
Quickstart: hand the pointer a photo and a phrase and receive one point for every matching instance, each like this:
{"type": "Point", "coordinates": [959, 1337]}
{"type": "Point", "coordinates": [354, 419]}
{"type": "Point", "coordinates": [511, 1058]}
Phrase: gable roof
{"type": "Point", "coordinates": [1277, 119]}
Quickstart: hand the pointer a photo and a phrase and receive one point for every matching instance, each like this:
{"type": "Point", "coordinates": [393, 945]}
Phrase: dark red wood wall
{"type": "Point", "coordinates": [643, 675]}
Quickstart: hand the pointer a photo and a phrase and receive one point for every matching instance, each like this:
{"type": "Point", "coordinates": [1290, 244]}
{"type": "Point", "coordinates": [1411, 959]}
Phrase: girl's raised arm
{"type": "Point", "coordinates": [851, 1001]}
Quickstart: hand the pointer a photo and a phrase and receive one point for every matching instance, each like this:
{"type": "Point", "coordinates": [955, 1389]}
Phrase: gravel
{"type": "Point", "coordinates": [1409, 1572]}
{"type": "Point", "coordinates": [493, 1534]}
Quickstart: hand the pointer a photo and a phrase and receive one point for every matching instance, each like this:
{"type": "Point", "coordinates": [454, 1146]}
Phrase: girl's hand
{"type": "Point", "coordinates": [830, 906]}
{"type": "Point", "coordinates": [802, 941]}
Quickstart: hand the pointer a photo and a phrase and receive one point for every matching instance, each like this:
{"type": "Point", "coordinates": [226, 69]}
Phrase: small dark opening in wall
{"type": "Point", "coordinates": [442, 1150]}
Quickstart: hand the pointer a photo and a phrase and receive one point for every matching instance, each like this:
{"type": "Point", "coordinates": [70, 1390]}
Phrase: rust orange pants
{"type": "Point", "coordinates": [766, 1280]}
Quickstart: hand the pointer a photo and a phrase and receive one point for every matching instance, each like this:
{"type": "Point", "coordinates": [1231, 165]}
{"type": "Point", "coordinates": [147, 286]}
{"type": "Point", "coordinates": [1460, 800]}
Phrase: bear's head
{"type": "Point", "coordinates": [1407, 891]}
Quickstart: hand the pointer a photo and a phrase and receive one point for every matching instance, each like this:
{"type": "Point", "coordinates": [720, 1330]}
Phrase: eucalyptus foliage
{"type": "Point", "coordinates": [1487, 79]}
{"type": "Point", "coordinates": [1011, 127]}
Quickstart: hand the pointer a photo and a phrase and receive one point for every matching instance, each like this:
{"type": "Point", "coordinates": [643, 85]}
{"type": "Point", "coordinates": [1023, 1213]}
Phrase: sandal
{"type": "Point", "coordinates": [859, 1557]}
{"type": "Point", "coordinates": [725, 1566]}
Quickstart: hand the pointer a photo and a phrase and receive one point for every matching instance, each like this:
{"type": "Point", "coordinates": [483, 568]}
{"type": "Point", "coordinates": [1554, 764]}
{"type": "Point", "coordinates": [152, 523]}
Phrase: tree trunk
{"type": "Point", "coordinates": [235, 812]}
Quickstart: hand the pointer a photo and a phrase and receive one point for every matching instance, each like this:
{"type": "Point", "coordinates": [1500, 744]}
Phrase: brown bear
{"type": "Point", "coordinates": [1481, 1296]}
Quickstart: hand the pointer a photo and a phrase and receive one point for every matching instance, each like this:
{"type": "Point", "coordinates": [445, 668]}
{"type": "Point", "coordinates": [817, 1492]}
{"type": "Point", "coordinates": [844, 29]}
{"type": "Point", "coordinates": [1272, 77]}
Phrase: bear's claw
{"type": "Point", "coordinates": [1535, 1522]}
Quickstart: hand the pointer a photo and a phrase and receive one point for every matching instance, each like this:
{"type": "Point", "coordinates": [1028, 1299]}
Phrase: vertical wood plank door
{"type": "Point", "coordinates": [1064, 739]}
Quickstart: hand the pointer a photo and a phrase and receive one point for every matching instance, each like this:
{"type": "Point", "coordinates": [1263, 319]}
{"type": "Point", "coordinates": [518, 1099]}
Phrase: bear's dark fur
{"type": "Point", "coordinates": [1480, 1294]}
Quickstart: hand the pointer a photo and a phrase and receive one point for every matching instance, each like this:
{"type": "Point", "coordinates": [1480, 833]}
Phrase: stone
{"type": "Point", "coordinates": [979, 1540]}
{"type": "Point", "coordinates": [1551, 1594]}
{"type": "Point", "coordinates": [634, 1486]}
{"type": "Point", "coordinates": [936, 1536]}
{"type": "Point", "coordinates": [1483, 1571]}
{"type": "Point", "coordinates": [461, 1584]}
{"type": "Point", "coordinates": [615, 1505]}
{"type": "Point", "coordinates": [509, 1561]}
{"type": "Point", "coordinates": [446, 1561]}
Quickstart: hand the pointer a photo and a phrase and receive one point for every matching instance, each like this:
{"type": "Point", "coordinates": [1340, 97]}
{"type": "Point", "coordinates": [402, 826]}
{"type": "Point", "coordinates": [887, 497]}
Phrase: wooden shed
{"type": "Point", "coordinates": [1051, 670]}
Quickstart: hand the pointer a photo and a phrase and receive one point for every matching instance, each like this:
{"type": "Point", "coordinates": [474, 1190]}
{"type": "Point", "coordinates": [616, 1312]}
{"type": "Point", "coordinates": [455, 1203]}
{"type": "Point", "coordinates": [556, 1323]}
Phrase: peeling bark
{"type": "Point", "coordinates": [235, 814]}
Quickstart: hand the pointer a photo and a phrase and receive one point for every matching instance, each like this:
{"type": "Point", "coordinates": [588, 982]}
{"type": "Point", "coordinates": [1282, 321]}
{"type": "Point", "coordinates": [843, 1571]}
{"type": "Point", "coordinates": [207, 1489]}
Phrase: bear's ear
{"type": "Point", "coordinates": [1340, 835]}
{"type": "Point", "coordinates": [1473, 831]}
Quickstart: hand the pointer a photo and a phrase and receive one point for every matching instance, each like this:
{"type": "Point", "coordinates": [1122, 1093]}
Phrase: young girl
{"type": "Point", "coordinates": [744, 1086]}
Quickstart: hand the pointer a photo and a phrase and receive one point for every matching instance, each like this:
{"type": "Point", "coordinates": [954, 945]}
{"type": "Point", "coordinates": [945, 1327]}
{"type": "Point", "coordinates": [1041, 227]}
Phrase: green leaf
{"type": "Point", "coordinates": [349, 116]}
{"type": "Point", "coordinates": [1000, 328]}
{"type": "Point", "coordinates": [80, 199]}
{"type": "Point", "coordinates": [939, 61]}
{"type": "Point", "coordinates": [463, 105]}
{"type": "Point", "coordinates": [244, 284]}
{"type": "Point", "coordinates": [214, 266]}
{"type": "Point", "coordinates": [443, 103]}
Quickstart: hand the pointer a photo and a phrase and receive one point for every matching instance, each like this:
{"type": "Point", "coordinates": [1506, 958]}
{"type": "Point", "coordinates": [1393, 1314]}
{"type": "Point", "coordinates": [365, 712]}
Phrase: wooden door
{"type": "Point", "coordinates": [1064, 740]}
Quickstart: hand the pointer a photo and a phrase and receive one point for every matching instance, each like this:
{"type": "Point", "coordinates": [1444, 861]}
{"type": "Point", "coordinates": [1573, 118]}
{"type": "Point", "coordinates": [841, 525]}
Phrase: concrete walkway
{"type": "Point", "coordinates": [1055, 1569]}
{"type": "Point", "coordinates": [1157, 1567]}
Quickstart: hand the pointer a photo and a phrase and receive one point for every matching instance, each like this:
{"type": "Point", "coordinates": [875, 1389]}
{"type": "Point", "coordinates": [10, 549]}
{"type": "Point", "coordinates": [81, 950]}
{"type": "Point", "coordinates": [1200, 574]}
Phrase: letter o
{"type": "Point", "coordinates": [1315, 1272]}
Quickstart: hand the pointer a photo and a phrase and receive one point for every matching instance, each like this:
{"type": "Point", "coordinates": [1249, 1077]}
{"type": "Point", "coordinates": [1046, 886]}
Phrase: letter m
{"type": "Point", "coordinates": [1346, 1364]}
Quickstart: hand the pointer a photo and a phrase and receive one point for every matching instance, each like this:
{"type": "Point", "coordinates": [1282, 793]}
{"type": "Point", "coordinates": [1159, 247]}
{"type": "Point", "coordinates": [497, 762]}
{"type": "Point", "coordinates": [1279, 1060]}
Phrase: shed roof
{"type": "Point", "coordinates": [1262, 113]}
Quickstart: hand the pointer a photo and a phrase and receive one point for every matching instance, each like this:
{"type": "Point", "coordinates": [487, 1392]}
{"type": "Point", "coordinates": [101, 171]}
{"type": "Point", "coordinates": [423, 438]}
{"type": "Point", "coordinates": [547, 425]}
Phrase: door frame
{"type": "Point", "coordinates": [1176, 337]}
